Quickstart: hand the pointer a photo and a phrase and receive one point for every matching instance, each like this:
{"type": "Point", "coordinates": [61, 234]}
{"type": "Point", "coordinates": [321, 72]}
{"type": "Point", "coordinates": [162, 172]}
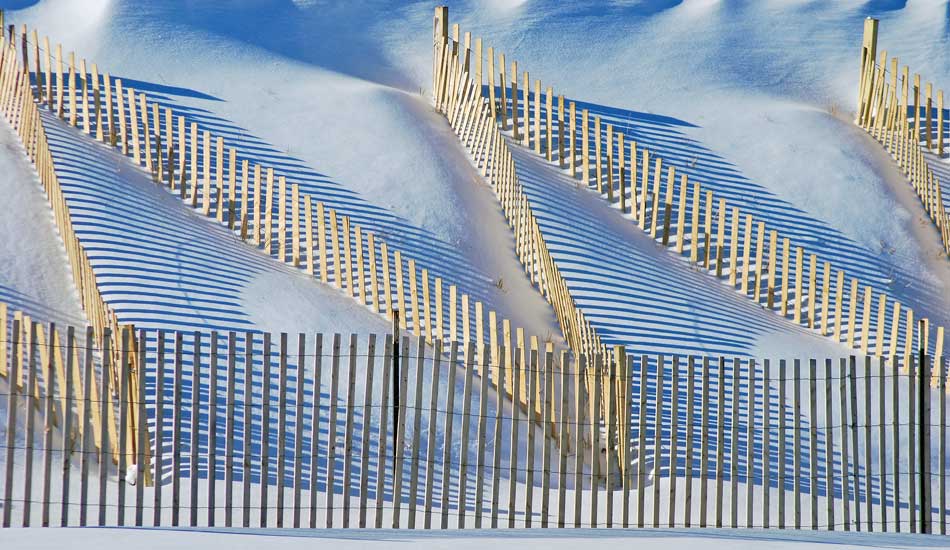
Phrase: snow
{"type": "Point", "coordinates": [670, 539]}
{"type": "Point", "coordinates": [34, 273]}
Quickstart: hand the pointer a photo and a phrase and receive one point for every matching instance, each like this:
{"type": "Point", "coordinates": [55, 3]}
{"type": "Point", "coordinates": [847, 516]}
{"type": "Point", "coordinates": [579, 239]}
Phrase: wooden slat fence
{"type": "Point", "coordinates": [761, 263]}
{"type": "Point", "coordinates": [280, 431]}
{"type": "Point", "coordinates": [907, 119]}
{"type": "Point", "coordinates": [256, 201]}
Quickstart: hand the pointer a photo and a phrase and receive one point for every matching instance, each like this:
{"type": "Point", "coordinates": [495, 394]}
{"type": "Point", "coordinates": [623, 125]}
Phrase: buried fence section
{"type": "Point", "coordinates": [311, 426]}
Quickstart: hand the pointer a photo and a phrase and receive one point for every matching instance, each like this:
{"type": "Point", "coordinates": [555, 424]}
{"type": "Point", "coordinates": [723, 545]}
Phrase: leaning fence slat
{"type": "Point", "coordinates": [856, 463]}
{"type": "Point", "coordinates": [830, 448]}
{"type": "Point", "coordinates": [382, 437]}
{"type": "Point", "coordinates": [704, 448]}
{"type": "Point", "coordinates": [882, 437]}
{"type": "Point", "coordinates": [750, 444]}
{"type": "Point", "coordinates": [895, 400]}
{"type": "Point", "coordinates": [782, 432]}
{"type": "Point", "coordinates": [845, 482]}
{"type": "Point", "coordinates": [546, 415]}
{"type": "Point", "coordinates": [813, 439]}
{"type": "Point", "coordinates": [212, 426]}
{"type": "Point", "coordinates": [193, 427]}
{"type": "Point", "coordinates": [720, 437]}
{"type": "Point", "coordinates": [229, 433]}
{"type": "Point", "coordinates": [315, 426]}
{"type": "Point", "coordinates": [942, 427]}
{"type": "Point", "coordinates": [690, 434]}
{"type": "Point", "coordinates": [281, 406]}
{"type": "Point", "coordinates": [674, 435]}
{"type": "Point", "coordinates": [400, 381]}
{"type": "Point", "coordinates": [159, 433]}
{"type": "Point", "coordinates": [431, 428]}
{"type": "Point", "coordinates": [497, 449]}
{"type": "Point", "coordinates": [766, 444]}
{"type": "Point", "coordinates": [868, 483]}
{"type": "Point", "coordinates": [49, 393]}
{"type": "Point", "coordinates": [658, 438]}
{"type": "Point", "coordinates": [415, 465]}
{"type": "Point", "coordinates": [105, 449]}
{"type": "Point", "coordinates": [264, 477]}
{"type": "Point", "coordinates": [580, 401]}
{"type": "Point", "coordinates": [12, 425]}
{"type": "Point", "coordinates": [298, 425]}
{"type": "Point", "coordinates": [448, 428]}
{"type": "Point", "coordinates": [123, 417]}
{"type": "Point", "coordinates": [142, 435]}
{"type": "Point", "coordinates": [246, 414]}
{"type": "Point", "coordinates": [797, 441]}
{"type": "Point", "coordinates": [563, 438]}
{"type": "Point", "coordinates": [348, 429]}
{"type": "Point", "coordinates": [513, 450]}
{"type": "Point", "coordinates": [469, 366]}
{"type": "Point", "coordinates": [68, 446]}
{"type": "Point", "coordinates": [480, 436]}
{"type": "Point", "coordinates": [734, 445]}
{"type": "Point", "coordinates": [367, 422]}
{"type": "Point", "coordinates": [532, 380]}
{"type": "Point", "coordinates": [332, 430]}
{"type": "Point", "coordinates": [30, 403]}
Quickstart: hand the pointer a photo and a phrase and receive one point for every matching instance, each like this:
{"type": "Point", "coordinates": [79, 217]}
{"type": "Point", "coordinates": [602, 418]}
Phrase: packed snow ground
{"type": "Point", "coordinates": [674, 539]}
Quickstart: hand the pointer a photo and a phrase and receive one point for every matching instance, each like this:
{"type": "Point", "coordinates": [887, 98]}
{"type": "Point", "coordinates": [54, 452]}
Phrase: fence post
{"type": "Point", "coordinates": [829, 449]}
{"type": "Point", "coordinates": [365, 438]}
{"type": "Point", "coordinates": [211, 457]}
{"type": "Point", "coordinates": [246, 429]}
{"type": "Point", "coordinates": [942, 426]}
{"type": "Point", "coordinates": [416, 426]}
{"type": "Point", "coordinates": [513, 458]}
{"type": "Point", "coordinates": [895, 400]}
{"type": "Point", "coordinates": [564, 444]}
{"type": "Point", "coordinates": [448, 429]}
{"type": "Point", "coordinates": [395, 374]}
{"type": "Point", "coordinates": [674, 435]}
{"type": "Point", "coordinates": [331, 431]}
{"type": "Point", "coordinates": [348, 428]}
{"type": "Point", "coordinates": [766, 445]}
{"type": "Point", "coordinates": [845, 482]}
{"type": "Point", "coordinates": [469, 366]}
{"type": "Point", "coordinates": [797, 441]}
{"type": "Point", "coordinates": [496, 454]}
{"type": "Point", "coordinates": [704, 446]}
{"type": "Point", "coordinates": [868, 54]}
{"type": "Point", "coordinates": [690, 455]}
{"type": "Point", "coordinates": [813, 438]}
{"type": "Point", "coordinates": [924, 423]}
{"type": "Point", "coordinates": [229, 432]}
{"type": "Point", "coordinates": [734, 444]}
{"type": "Point", "coordinates": [432, 423]}
{"type": "Point", "coordinates": [68, 393]}
{"type": "Point", "coordinates": [105, 448]}
{"type": "Point", "coordinates": [12, 425]}
{"type": "Point", "coordinates": [381, 438]}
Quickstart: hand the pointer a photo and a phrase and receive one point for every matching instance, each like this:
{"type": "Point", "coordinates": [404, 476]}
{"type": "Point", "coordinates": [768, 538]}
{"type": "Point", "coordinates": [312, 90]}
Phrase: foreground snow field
{"type": "Point", "coordinates": [667, 539]}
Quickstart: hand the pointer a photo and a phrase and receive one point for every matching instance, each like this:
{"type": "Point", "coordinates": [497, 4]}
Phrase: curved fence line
{"type": "Point", "coordinates": [255, 201]}
{"type": "Point", "coordinates": [898, 115]}
{"type": "Point", "coordinates": [678, 213]}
